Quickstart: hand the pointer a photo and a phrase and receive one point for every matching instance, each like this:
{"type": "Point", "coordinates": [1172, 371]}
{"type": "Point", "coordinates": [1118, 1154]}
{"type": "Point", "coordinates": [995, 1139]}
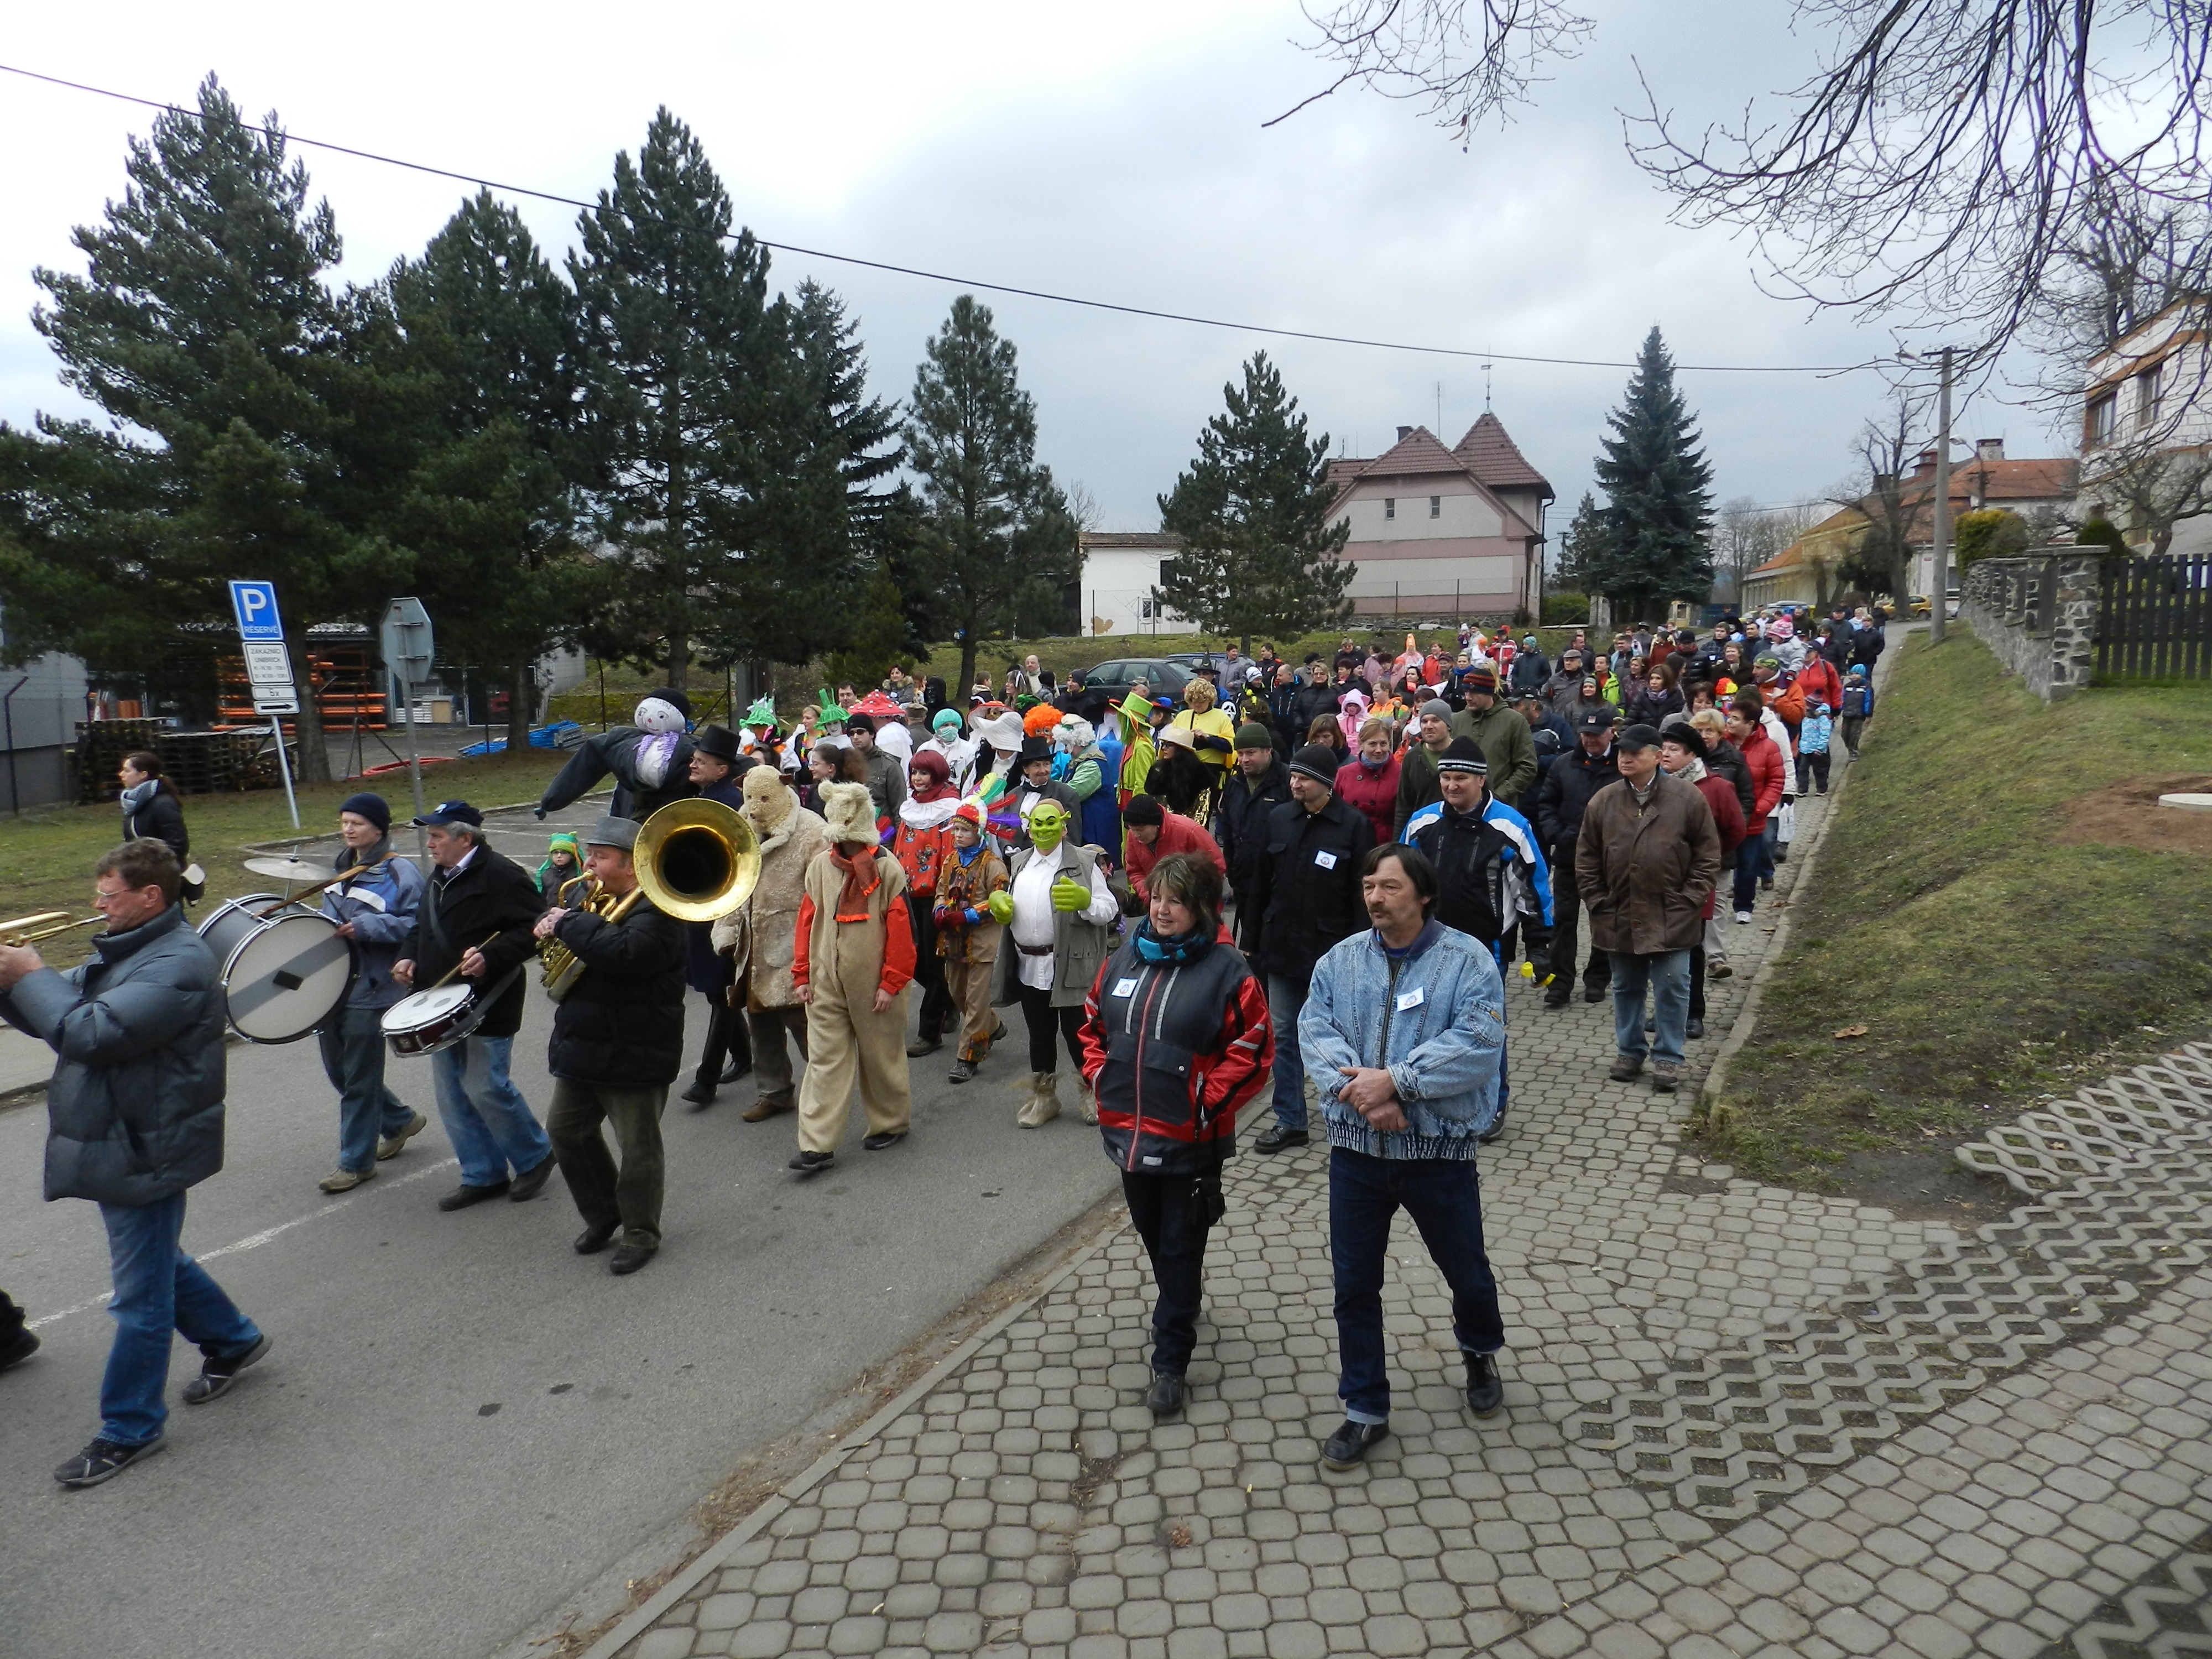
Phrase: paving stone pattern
{"type": "Point", "coordinates": [1030, 1504]}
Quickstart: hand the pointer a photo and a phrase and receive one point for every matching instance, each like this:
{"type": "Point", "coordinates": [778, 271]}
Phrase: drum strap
{"type": "Point", "coordinates": [431, 920]}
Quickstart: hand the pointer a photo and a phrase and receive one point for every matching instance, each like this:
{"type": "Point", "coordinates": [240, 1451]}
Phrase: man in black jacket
{"type": "Point", "coordinates": [1316, 697]}
{"type": "Point", "coordinates": [617, 1044]}
{"type": "Point", "coordinates": [1561, 796]}
{"type": "Point", "coordinates": [1306, 889]}
{"type": "Point", "coordinates": [1257, 784]}
{"type": "Point", "coordinates": [135, 1120]}
{"type": "Point", "coordinates": [478, 910]}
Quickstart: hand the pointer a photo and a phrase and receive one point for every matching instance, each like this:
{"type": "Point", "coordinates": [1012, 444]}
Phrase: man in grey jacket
{"type": "Point", "coordinates": [135, 1120]}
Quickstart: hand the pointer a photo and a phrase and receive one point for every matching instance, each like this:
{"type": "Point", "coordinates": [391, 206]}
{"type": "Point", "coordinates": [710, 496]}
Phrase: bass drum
{"type": "Point", "coordinates": [284, 973]}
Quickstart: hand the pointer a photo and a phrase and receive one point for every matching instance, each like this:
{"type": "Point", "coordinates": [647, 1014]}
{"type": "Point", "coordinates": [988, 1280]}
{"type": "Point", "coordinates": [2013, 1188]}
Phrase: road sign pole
{"type": "Point", "coordinates": [414, 762]}
{"type": "Point", "coordinates": [284, 769]}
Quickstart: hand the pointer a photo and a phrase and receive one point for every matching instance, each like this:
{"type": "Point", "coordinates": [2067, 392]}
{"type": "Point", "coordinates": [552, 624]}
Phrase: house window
{"type": "Point", "coordinates": [2098, 430]}
{"type": "Point", "coordinates": [2150, 386]}
{"type": "Point", "coordinates": [1389, 506]}
{"type": "Point", "coordinates": [1436, 506]}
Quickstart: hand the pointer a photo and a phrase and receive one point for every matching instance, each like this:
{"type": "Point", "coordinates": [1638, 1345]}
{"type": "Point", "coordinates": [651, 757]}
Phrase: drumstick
{"type": "Point", "coordinates": [330, 881]}
{"type": "Point", "coordinates": [456, 968]}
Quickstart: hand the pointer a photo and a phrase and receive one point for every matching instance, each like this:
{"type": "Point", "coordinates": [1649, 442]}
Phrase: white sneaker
{"type": "Point", "coordinates": [1743, 915]}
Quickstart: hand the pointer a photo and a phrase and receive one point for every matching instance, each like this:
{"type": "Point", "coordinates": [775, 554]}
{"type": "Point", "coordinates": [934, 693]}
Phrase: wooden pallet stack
{"type": "Point", "coordinates": [195, 763]}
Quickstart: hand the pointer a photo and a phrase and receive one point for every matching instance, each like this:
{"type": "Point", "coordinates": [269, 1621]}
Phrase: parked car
{"type": "Point", "coordinates": [1164, 676]}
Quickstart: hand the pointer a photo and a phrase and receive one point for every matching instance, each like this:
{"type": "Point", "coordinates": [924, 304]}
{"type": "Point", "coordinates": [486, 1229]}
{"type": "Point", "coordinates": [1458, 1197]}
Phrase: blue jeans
{"type": "Point", "coordinates": [1285, 998]}
{"type": "Point", "coordinates": [158, 1290]}
{"type": "Point", "coordinates": [485, 1116]}
{"type": "Point", "coordinates": [1442, 1196]}
{"type": "Point", "coordinates": [1754, 859]}
{"type": "Point", "coordinates": [353, 1059]}
{"type": "Point", "coordinates": [1668, 974]}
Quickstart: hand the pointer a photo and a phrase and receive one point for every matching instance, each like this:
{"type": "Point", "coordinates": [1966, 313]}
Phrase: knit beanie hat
{"type": "Point", "coordinates": [372, 807]}
{"type": "Point", "coordinates": [1464, 755]}
{"type": "Point", "coordinates": [1317, 761]}
{"type": "Point", "coordinates": [1438, 706]}
{"type": "Point", "coordinates": [1253, 735]}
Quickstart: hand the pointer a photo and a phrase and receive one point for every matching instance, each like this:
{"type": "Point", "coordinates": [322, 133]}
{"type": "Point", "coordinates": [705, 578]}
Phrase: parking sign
{"type": "Point", "coordinates": [254, 604]}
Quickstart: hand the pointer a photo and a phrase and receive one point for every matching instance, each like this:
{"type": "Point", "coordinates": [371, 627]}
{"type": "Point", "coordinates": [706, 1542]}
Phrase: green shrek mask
{"type": "Point", "coordinates": [1048, 824]}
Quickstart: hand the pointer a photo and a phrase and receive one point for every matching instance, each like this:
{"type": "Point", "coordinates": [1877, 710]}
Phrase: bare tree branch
{"type": "Point", "coordinates": [1468, 59]}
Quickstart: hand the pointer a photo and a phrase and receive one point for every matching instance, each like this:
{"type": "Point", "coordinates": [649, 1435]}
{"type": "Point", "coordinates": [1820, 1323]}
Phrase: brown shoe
{"type": "Point", "coordinates": [1624, 1069]}
{"type": "Point", "coordinates": [764, 1109]}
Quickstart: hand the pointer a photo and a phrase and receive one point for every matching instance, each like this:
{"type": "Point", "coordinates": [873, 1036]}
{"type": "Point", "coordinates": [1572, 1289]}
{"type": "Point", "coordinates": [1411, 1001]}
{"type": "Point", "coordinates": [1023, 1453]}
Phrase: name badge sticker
{"type": "Point", "coordinates": [1126, 988]}
{"type": "Point", "coordinates": [1327, 860]}
{"type": "Point", "coordinates": [1412, 999]}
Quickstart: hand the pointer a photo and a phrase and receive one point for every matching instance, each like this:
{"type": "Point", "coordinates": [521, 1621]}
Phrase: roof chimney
{"type": "Point", "coordinates": [1404, 433]}
{"type": "Point", "coordinates": [1989, 449]}
{"type": "Point", "coordinates": [1923, 464]}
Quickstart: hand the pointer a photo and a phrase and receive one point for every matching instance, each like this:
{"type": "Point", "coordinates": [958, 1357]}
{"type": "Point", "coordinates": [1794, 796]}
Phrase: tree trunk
{"type": "Point", "coordinates": [957, 695]}
{"type": "Point", "coordinates": [521, 706]}
{"type": "Point", "coordinates": [314, 757]}
{"type": "Point", "coordinates": [679, 659]}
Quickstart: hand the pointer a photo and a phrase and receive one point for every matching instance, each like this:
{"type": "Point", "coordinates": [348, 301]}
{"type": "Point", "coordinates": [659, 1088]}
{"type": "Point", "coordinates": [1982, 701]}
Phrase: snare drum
{"type": "Point", "coordinates": [283, 974]}
{"type": "Point", "coordinates": [434, 1019]}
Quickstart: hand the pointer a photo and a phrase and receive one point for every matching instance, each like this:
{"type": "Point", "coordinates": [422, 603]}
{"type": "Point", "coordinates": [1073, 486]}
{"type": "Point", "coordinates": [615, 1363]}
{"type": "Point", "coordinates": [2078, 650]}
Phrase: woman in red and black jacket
{"type": "Point", "coordinates": [1175, 1038]}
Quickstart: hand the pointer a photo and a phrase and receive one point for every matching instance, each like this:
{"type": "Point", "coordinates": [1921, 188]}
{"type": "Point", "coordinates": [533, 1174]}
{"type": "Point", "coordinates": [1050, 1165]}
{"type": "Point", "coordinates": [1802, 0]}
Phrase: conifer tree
{"type": "Point", "coordinates": [1260, 553]}
{"type": "Point", "coordinates": [203, 321]}
{"type": "Point", "coordinates": [1582, 547]}
{"type": "Point", "coordinates": [995, 542]}
{"type": "Point", "coordinates": [1658, 496]}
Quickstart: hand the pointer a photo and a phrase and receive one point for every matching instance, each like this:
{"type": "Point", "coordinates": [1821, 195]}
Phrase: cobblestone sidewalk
{"type": "Point", "coordinates": [1726, 1433]}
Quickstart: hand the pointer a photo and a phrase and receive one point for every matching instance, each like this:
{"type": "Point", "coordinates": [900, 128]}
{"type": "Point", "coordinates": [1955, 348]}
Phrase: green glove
{"type": "Point", "coordinates": [1069, 895]}
{"type": "Point", "coordinates": [1000, 904]}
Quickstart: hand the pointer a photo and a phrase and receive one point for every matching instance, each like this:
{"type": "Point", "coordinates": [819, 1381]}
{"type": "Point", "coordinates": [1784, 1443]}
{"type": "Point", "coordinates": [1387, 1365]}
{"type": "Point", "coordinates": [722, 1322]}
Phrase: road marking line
{"type": "Point", "coordinates": [254, 1241]}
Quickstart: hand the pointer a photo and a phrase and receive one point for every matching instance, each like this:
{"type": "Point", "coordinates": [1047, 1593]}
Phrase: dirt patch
{"type": "Point", "coordinates": [2127, 814]}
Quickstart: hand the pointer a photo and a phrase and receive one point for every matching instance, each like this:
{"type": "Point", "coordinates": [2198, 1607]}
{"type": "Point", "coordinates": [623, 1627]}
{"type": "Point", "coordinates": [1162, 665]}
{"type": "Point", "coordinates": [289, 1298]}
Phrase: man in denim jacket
{"type": "Point", "coordinates": [1402, 1031]}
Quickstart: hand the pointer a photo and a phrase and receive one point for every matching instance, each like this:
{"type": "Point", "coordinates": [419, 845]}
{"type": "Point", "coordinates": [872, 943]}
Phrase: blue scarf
{"type": "Point", "coordinates": [1182, 948]}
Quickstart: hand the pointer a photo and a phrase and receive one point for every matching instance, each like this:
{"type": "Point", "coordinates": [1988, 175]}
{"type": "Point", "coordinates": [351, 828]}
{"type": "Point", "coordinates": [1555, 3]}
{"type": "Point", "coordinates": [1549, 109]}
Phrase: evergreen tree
{"type": "Point", "coordinates": [203, 323]}
{"type": "Point", "coordinates": [995, 543]}
{"type": "Point", "coordinates": [1658, 496]}
{"type": "Point", "coordinates": [487, 331]}
{"type": "Point", "coordinates": [677, 332]}
{"type": "Point", "coordinates": [1582, 547]}
{"type": "Point", "coordinates": [1260, 553]}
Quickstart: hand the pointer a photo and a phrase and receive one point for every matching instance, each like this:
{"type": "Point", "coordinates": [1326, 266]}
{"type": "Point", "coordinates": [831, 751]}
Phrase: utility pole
{"type": "Point", "coordinates": [1939, 580]}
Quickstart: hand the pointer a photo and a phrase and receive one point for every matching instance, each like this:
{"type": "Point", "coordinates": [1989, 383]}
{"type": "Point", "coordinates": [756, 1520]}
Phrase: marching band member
{"type": "Point", "coordinates": [477, 912]}
{"type": "Point", "coordinates": [617, 1044]}
{"type": "Point", "coordinates": [375, 906]}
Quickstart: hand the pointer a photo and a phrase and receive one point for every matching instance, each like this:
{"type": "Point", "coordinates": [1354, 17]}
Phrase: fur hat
{"type": "Point", "coordinates": [1074, 732]}
{"type": "Point", "coordinates": [849, 812]}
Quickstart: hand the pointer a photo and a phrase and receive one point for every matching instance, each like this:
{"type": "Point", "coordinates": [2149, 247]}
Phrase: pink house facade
{"type": "Point", "coordinates": [1444, 533]}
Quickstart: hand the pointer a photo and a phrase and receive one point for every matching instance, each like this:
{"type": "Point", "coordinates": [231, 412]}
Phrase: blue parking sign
{"type": "Point", "coordinates": [255, 605]}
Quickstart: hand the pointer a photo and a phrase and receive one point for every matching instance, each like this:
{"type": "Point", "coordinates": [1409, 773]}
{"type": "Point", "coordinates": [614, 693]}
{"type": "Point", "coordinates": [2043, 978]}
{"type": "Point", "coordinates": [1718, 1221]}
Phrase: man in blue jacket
{"type": "Point", "coordinates": [374, 906]}
{"type": "Point", "coordinates": [134, 1120]}
{"type": "Point", "coordinates": [1403, 1029]}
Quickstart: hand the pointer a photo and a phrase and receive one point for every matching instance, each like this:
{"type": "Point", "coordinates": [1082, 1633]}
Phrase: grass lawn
{"type": "Point", "coordinates": [46, 855]}
{"type": "Point", "coordinates": [1977, 908]}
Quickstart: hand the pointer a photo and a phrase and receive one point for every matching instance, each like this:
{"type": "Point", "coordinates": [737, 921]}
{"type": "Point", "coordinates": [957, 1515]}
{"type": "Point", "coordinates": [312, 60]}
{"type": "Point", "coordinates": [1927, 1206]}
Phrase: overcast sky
{"type": "Point", "coordinates": [1108, 152]}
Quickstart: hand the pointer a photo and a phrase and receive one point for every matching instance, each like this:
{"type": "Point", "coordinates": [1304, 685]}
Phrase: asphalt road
{"type": "Point", "coordinates": [461, 1422]}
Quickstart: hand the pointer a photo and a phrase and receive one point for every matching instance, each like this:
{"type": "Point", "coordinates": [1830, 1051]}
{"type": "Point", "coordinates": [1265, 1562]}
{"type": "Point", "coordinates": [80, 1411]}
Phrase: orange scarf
{"type": "Point", "coordinates": [862, 878]}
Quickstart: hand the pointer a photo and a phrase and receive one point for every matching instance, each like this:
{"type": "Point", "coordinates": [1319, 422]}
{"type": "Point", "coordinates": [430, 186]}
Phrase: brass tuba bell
{"type": "Point", "coordinates": [697, 860]}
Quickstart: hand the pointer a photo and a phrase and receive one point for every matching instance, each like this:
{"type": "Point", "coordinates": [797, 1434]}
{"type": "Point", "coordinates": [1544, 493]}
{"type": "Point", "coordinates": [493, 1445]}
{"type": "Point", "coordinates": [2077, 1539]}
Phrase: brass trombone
{"type": "Point", "coordinates": [697, 860]}
{"type": "Point", "coordinates": [42, 924]}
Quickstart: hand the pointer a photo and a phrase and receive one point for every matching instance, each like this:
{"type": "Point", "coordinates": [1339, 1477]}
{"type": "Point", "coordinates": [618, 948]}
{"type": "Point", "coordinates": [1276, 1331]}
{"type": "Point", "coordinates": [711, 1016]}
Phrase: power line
{"type": "Point", "coordinates": [958, 282]}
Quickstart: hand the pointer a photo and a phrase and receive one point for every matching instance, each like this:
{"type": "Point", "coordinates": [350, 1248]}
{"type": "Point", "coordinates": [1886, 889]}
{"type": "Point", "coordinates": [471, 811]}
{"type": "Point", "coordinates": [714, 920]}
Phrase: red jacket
{"type": "Point", "coordinates": [1177, 834]}
{"type": "Point", "coordinates": [1818, 678]}
{"type": "Point", "coordinates": [1375, 794]}
{"type": "Point", "coordinates": [1766, 763]}
{"type": "Point", "coordinates": [1728, 818]}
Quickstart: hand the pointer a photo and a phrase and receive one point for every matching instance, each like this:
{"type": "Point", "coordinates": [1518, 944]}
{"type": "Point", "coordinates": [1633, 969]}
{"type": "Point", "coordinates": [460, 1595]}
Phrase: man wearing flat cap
{"type": "Point", "coordinates": [477, 910]}
{"type": "Point", "coordinates": [617, 1044]}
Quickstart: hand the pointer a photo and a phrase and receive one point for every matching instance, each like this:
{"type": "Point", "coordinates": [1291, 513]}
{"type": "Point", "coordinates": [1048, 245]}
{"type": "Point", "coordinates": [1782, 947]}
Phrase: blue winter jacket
{"type": "Point", "coordinates": [1435, 1017]}
{"type": "Point", "coordinates": [380, 903]}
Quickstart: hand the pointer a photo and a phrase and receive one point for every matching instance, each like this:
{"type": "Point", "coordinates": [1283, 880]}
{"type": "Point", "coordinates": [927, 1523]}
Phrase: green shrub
{"type": "Point", "coordinates": [1565, 606]}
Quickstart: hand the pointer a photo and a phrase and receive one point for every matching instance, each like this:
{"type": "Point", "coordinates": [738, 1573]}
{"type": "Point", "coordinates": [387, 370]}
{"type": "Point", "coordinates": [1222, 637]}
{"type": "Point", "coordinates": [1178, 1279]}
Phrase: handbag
{"type": "Point", "coordinates": [1787, 819]}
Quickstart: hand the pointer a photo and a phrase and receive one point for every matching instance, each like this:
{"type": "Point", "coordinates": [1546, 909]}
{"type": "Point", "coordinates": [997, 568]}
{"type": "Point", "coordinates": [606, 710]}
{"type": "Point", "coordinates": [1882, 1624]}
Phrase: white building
{"type": "Point", "coordinates": [2148, 408]}
{"type": "Point", "coordinates": [1121, 567]}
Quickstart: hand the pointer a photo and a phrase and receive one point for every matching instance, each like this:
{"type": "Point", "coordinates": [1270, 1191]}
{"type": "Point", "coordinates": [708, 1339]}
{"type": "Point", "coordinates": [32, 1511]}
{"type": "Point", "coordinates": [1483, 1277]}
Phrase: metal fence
{"type": "Point", "coordinates": [2154, 619]}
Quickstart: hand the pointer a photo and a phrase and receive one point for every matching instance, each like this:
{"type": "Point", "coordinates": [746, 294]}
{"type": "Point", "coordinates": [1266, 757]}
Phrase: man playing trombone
{"type": "Point", "coordinates": [617, 1044]}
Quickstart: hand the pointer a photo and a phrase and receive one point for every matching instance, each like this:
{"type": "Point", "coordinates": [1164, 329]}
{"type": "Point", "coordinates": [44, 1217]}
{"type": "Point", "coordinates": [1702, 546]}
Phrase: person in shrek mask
{"type": "Point", "coordinates": [1058, 915]}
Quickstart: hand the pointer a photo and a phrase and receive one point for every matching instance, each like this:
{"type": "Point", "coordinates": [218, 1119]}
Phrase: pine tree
{"type": "Point", "coordinates": [487, 331]}
{"type": "Point", "coordinates": [683, 361]}
{"type": "Point", "coordinates": [1582, 547]}
{"type": "Point", "coordinates": [996, 542]}
{"type": "Point", "coordinates": [1260, 553]}
{"type": "Point", "coordinates": [1658, 496]}
{"type": "Point", "coordinates": [203, 321]}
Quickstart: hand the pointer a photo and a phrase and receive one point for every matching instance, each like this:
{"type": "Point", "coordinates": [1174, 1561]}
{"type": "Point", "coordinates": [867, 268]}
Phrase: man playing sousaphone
{"type": "Point", "coordinates": [478, 911]}
{"type": "Point", "coordinates": [617, 1044]}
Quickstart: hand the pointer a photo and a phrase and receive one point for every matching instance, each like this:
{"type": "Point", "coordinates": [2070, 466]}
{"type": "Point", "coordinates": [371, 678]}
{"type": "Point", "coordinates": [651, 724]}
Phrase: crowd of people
{"type": "Point", "coordinates": [1308, 877]}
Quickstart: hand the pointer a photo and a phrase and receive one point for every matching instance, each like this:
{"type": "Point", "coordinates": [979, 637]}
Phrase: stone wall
{"type": "Point", "coordinates": [2039, 614]}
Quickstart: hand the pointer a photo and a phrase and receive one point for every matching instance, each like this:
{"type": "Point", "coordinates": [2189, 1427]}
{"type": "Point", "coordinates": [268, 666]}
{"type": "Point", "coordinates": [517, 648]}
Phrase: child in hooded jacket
{"type": "Point", "coordinates": [1813, 735]}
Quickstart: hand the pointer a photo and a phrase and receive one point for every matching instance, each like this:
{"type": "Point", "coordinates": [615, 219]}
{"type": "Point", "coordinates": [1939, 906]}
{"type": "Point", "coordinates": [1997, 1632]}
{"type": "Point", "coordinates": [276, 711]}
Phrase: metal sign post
{"type": "Point", "coordinates": [268, 669]}
{"type": "Point", "coordinates": [406, 642]}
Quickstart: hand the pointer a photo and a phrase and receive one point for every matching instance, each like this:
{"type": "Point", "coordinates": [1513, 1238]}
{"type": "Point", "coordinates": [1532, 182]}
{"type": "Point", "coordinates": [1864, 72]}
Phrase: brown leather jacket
{"type": "Point", "coordinates": [1646, 873]}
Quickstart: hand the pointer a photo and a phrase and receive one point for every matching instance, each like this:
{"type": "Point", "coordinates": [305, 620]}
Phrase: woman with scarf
{"type": "Point", "coordinates": [1653, 698]}
{"type": "Point", "coordinates": [967, 936]}
{"type": "Point", "coordinates": [923, 844]}
{"type": "Point", "coordinates": [1368, 782]}
{"type": "Point", "coordinates": [1175, 1039]}
{"type": "Point", "coordinates": [1057, 911]}
{"type": "Point", "coordinates": [150, 805]}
